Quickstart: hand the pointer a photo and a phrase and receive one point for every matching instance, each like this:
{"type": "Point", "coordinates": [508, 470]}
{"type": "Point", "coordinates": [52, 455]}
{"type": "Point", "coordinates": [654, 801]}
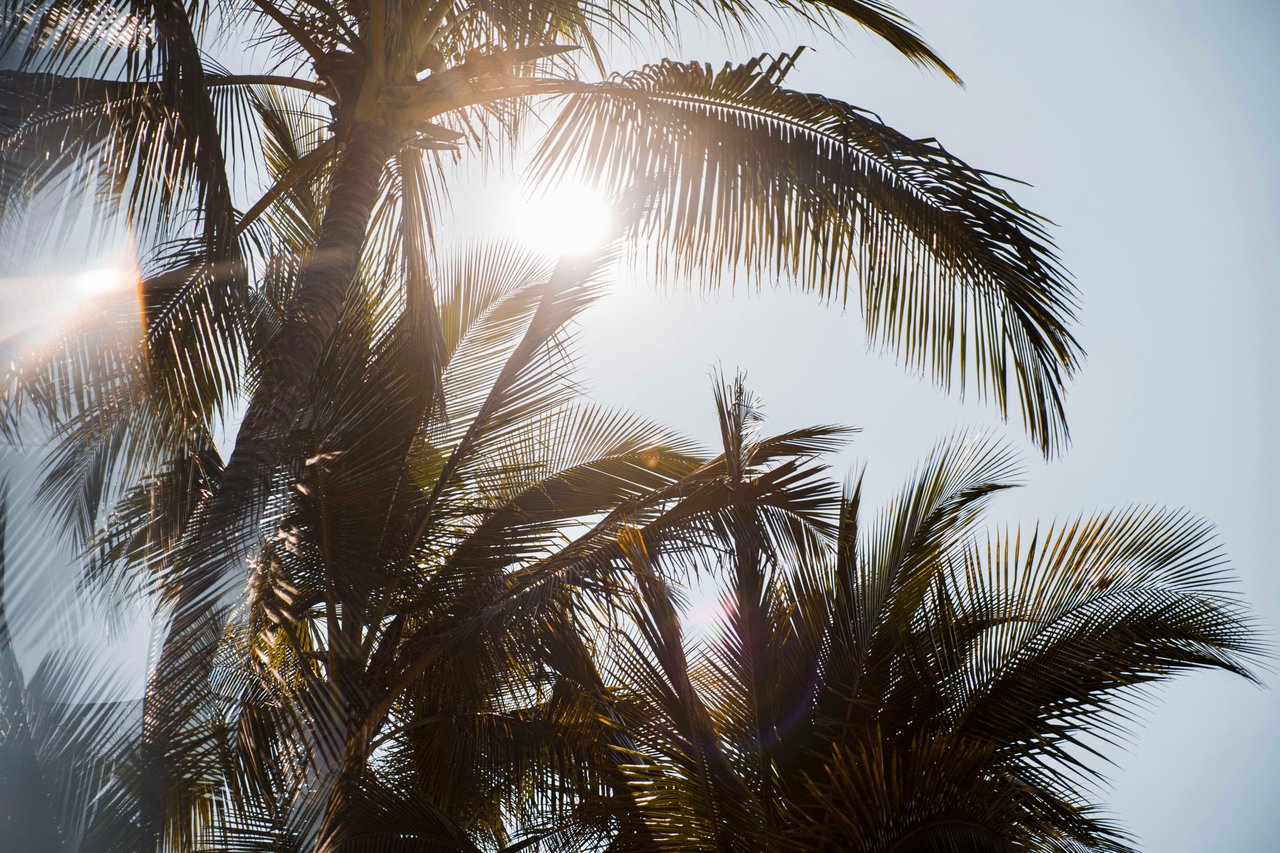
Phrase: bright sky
{"type": "Point", "coordinates": [1146, 130]}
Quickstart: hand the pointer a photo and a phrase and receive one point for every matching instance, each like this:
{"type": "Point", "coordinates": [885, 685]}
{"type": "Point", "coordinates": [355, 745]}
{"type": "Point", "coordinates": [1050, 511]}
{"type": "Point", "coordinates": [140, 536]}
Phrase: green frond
{"type": "Point", "coordinates": [1086, 611]}
{"type": "Point", "coordinates": [744, 174]}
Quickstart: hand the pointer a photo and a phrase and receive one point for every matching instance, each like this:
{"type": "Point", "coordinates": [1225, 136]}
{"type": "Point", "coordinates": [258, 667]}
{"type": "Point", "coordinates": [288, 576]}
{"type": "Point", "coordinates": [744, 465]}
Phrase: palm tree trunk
{"type": "Point", "coordinates": [214, 554]}
{"type": "Point", "coordinates": [341, 787]}
{"type": "Point", "coordinates": [295, 353]}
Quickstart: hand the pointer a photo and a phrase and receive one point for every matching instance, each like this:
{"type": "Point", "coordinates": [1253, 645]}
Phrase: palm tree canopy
{"type": "Point", "coordinates": [390, 490]}
{"type": "Point", "coordinates": [348, 129]}
{"type": "Point", "coordinates": [913, 683]}
{"type": "Point", "coordinates": [739, 174]}
{"type": "Point", "coordinates": [465, 630]}
{"type": "Point", "coordinates": [463, 626]}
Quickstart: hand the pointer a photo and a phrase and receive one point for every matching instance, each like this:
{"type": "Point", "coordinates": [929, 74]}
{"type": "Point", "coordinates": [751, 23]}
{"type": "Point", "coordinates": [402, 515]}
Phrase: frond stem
{"type": "Point", "coordinates": [296, 172]}
{"type": "Point", "coordinates": [430, 15]}
{"type": "Point", "coordinates": [280, 80]}
{"type": "Point", "coordinates": [375, 72]}
{"type": "Point", "coordinates": [290, 26]}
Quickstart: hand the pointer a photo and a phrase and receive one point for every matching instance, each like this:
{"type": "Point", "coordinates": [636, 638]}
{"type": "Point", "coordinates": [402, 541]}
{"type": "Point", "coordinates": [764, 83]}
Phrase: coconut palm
{"type": "Point", "coordinates": [435, 563]}
{"type": "Point", "coordinates": [348, 132]}
{"type": "Point", "coordinates": [918, 685]}
{"type": "Point", "coordinates": [735, 172]}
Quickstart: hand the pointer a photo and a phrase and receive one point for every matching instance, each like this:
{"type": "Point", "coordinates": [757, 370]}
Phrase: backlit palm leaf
{"type": "Point", "coordinates": [916, 688]}
{"type": "Point", "coordinates": [742, 172]}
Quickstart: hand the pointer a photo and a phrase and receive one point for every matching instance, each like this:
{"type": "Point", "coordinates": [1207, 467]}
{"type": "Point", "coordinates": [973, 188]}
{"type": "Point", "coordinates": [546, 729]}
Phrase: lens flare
{"type": "Point", "coordinates": [107, 281]}
{"type": "Point", "coordinates": [38, 311]}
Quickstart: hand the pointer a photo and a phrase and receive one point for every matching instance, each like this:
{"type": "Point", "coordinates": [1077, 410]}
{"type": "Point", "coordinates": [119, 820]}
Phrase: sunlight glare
{"type": "Point", "coordinates": [37, 311]}
{"type": "Point", "coordinates": [102, 282]}
{"type": "Point", "coordinates": [570, 219]}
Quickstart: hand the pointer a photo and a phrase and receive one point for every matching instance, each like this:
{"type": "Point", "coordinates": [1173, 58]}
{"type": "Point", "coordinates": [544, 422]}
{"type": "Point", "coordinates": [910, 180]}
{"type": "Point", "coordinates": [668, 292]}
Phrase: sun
{"type": "Point", "coordinates": [568, 219]}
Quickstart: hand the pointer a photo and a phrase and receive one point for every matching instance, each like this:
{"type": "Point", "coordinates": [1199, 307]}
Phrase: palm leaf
{"type": "Point", "coordinates": [743, 173]}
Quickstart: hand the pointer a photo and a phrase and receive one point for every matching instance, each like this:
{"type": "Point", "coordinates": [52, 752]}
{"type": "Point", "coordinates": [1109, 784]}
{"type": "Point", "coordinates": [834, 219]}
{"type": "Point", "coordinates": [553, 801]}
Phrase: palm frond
{"type": "Point", "coordinates": [1087, 611]}
{"type": "Point", "coordinates": [743, 173]}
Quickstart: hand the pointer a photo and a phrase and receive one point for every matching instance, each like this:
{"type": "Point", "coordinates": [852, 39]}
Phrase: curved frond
{"type": "Point", "coordinates": [1086, 611]}
{"type": "Point", "coordinates": [742, 172]}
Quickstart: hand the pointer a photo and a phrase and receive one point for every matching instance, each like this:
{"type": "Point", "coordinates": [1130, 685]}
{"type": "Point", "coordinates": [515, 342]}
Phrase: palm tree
{"type": "Point", "coordinates": [356, 117]}
{"type": "Point", "coordinates": [436, 561]}
{"type": "Point", "coordinates": [465, 633]}
{"type": "Point", "coordinates": [915, 685]}
{"type": "Point", "coordinates": [736, 172]}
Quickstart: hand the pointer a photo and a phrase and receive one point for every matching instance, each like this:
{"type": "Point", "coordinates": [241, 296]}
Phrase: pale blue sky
{"type": "Point", "coordinates": [1147, 129]}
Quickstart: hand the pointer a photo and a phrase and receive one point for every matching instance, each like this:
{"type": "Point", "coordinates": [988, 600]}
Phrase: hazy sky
{"type": "Point", "coordinates": [1146, 130]}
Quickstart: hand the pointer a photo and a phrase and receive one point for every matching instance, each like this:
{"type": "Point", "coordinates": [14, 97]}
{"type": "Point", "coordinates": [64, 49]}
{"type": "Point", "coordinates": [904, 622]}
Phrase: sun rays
{"type": "Point", "coordinates": [568, 219]}
{"type": "Point", "coordinates": [38, 311]}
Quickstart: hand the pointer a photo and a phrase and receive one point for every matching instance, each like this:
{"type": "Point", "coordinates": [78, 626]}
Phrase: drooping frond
{"type": "Point", "coordinates": [1084, 612]}
{"type": "Point", "coordinates": [743, 173]}
{"type": "Point", "coordinates": [155, 43]}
